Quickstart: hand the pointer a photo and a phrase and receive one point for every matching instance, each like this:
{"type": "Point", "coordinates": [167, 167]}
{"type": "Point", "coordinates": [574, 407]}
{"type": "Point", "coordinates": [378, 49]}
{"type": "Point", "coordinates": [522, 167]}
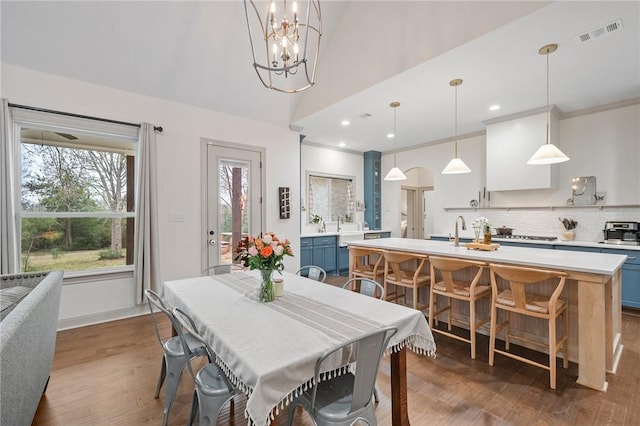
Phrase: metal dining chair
{"type": "Point", "coordinates": [312, 272]}
{"type": "Point", "coordinates": [212, 387]}
{"type": "Point", "coordinates": [175, 354]}
{"type": "Point", "coordinates": [344, 399]}
{"type": "Point", "coordinates": [366, 286]}
{"type": "Point", "coordinates": [222, 269]}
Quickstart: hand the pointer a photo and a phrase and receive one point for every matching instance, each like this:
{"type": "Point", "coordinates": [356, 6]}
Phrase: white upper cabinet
{"type": "Point", "coordinates": [511, 141]}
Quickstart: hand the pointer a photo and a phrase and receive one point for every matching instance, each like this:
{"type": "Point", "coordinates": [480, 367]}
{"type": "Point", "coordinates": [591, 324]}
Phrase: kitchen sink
{"type": "Point", "coordinates": [345, 237]}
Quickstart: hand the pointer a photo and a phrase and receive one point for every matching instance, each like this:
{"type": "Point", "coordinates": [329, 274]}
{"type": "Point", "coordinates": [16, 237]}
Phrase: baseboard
{"type": "Point", "coordinates": [98, 318]}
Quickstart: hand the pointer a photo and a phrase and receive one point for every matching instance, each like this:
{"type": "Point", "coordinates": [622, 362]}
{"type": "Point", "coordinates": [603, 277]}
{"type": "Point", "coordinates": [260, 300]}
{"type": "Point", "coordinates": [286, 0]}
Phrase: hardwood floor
{"type": "Point", "coordinates": [106, 375]}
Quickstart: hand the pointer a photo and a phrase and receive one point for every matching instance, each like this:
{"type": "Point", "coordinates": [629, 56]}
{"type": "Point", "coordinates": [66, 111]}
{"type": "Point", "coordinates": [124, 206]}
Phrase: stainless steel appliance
{"type": "Point", "coordinates": [622, 233]}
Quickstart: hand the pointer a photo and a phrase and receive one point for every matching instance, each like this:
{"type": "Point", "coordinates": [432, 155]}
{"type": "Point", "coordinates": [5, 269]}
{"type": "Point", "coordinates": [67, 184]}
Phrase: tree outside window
{"type": "Point", "coordinates": [75, 214]}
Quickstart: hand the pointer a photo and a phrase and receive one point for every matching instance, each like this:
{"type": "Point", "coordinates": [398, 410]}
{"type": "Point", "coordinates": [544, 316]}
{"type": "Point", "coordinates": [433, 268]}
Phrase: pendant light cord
{"type": "Point", "coordinates": [394, 136]}
{"type": "Point", "coordinates": [548, 110]}
{"type": "Point", "coordinates": [455, 131]}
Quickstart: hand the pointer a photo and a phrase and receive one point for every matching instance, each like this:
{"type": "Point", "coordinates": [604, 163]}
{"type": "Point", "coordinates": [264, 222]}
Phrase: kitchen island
{"type": "Point", "coordinates": [593, 292]}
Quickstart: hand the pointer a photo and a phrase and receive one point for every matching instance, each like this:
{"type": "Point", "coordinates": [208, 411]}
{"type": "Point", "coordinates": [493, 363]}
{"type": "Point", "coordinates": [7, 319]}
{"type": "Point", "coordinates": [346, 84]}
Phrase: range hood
{"type": "Point", "coordinates": [511, 140]}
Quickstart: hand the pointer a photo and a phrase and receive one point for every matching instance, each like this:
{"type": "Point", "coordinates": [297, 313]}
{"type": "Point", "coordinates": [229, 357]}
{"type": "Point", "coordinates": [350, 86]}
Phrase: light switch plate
{"type": "Point", "coordinates": [176, 217]}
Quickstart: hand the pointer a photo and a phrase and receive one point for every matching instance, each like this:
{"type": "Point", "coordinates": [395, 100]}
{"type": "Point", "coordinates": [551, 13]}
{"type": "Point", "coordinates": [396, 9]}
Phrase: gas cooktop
{"type": "Point", "coordinates": [524, 237]}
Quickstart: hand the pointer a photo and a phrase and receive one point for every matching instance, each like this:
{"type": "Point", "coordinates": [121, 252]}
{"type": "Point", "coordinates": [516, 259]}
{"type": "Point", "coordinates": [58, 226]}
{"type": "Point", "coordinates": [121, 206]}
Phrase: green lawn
{"type": "Point", "coordinates": [69, 261]}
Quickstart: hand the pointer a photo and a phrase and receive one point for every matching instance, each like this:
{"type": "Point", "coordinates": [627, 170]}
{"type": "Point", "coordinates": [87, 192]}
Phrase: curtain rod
{"type": "Point", "coordinates": [70, 114]}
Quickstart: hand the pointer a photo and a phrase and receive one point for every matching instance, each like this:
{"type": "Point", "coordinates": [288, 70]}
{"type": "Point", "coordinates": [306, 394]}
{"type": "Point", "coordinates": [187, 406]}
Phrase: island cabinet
{"type": "Point", "coordinates": [319, 251]}
{"type": "Point", "coordinates": [593, 293]}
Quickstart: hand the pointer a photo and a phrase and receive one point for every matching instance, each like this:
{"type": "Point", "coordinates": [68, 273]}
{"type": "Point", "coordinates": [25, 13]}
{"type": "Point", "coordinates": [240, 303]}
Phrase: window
{"type": "Point", "coordinates": [77, 192]}
{"type": "Point", "coordinates": [330, 197]}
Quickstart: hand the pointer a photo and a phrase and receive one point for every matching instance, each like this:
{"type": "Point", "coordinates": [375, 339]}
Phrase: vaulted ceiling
{"type": "Point", "coordinates": [372, 53]}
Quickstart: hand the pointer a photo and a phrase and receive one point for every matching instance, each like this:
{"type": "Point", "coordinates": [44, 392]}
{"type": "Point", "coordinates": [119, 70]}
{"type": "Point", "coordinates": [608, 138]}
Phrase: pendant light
{"type": "Point", "coordinates": [395, 173]}
{"type": "Point", "coordinates": [548, 153]}
{"type": "Point", "coordinates": [456, 166]}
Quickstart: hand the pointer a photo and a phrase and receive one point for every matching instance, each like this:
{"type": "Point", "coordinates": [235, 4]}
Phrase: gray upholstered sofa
{"type": "Point", "coordinates": [30, 305]}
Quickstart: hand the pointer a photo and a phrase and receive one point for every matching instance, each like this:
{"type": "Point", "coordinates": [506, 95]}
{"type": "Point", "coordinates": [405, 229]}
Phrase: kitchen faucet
{"type": "Point", "coordinates": [456, 240]}
{"type": "Point", "coordinates": [339, 217]}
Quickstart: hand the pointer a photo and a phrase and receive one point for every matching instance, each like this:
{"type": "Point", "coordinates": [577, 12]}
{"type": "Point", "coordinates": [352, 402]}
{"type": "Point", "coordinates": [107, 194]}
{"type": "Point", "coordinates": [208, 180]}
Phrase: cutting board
{"type": "Point", "coordinates": [480, 246]}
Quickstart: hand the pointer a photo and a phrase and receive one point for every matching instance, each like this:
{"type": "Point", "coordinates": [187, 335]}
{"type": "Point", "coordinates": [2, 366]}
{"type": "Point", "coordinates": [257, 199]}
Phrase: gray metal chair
{"type": "Point", "coordinates": [312, 272]}
{"type": "Point", "coordinates": [346, 398]}
{"type": "Point", "coordinates": [222, 269]}
{"type": "Point", "coordinates": [367, 287]}
{"type": "Point", "coordinates": [213, 388]}
{"type": "Point", "coordinates": [175, 357]}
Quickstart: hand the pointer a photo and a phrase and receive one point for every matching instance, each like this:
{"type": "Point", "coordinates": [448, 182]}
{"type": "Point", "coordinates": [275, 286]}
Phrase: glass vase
{"type": "Point", "coordinates": [487, 237]}
{"type": "Point", "coordinates": [477, 232]}
{"type": "Point", "coordinates": [266, 286]}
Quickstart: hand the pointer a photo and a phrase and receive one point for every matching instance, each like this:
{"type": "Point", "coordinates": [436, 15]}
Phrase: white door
{"type": "Point", "coordinates": [233, 199]}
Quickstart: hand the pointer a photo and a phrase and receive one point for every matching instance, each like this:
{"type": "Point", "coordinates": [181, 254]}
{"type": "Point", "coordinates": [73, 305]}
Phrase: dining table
{"type": "Point", "coordinates": [269, 349]}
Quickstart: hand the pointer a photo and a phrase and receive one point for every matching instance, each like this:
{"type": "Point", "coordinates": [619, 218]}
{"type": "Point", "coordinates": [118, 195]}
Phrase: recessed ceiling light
{"type": "Point", "coordinates": [345, 122]}
{"type": "Point", "coordinates": [494, 107]}
{"type": "Point", "coordinates": [390, 135]}
{"type": "Point", "coordinates": [342, 144]}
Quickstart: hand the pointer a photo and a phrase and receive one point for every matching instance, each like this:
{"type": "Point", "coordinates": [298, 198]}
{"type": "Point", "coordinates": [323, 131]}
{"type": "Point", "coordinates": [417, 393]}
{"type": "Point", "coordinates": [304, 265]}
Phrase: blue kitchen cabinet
{"type": "Point", "coordinates": [306, 251]}
{"type": "Point", "coordinates": [343, 260]}
{"type": "Point", "coordinates": [319, 251]}
{"type": "Point", "coordinates": [372, 189]}
{"type": "Point", "coordinates": [526, 245]}
{"type": "Point", "coordinates": [577, 248]}
{"type": "Point", "coordinates": [630, 276]}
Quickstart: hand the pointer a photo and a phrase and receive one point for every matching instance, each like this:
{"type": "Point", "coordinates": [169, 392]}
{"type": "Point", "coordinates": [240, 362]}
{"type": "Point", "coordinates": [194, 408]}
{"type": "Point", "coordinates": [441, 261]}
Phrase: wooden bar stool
{"type": "Point", "coordinates": [457, 289]}
{"type": "Point", "coordinates": [519, 300]}
{"type": "Point", "coordinates": [404, 278]}
{"type": "Point", "coordinates": [365, 263]}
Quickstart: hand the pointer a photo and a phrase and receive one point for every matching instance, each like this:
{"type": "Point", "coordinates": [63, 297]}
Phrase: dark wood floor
{"type": "Point", "coordinates": [106, 375]}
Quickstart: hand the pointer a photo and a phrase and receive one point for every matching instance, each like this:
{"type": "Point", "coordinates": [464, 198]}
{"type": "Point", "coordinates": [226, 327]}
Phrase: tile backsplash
{"type": "Point", "coordinates": [543, 221]}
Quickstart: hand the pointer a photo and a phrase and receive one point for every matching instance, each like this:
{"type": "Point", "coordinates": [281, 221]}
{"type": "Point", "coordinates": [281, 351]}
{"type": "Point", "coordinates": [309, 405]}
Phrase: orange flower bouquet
{"type": "Point", "coordinates": [264, 253]}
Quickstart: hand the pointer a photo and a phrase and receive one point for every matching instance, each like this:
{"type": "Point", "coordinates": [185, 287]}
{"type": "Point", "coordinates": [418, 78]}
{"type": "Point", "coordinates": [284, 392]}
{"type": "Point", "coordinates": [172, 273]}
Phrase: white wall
{"type": "Point", "coordinates": [604, 144]}
{"type": "Point", "coordinates": [180, 177]}
{"type": "Point", "coordinates": [331, 162]}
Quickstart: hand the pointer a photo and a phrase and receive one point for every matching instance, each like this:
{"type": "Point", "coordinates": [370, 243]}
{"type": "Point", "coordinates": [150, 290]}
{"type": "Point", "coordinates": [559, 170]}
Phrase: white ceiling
{"type": "Point", "coordinates": [372, 53]}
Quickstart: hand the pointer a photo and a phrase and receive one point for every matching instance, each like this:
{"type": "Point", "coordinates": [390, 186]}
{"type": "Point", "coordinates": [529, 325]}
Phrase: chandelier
{"type": "Point", "coordinates": [284, 42]}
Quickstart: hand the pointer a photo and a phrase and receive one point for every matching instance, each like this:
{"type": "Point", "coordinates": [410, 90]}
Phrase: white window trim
{"type": "Point", "coordinates": [34, 119]}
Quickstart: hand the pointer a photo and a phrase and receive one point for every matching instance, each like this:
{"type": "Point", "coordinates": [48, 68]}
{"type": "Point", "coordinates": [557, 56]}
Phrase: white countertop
{"type": "Point", "coordinates": [332, 234]}
{"type": "Point", "coordinates": [558, 242]}
{"type": "Point", "coordinates": [593, 263]}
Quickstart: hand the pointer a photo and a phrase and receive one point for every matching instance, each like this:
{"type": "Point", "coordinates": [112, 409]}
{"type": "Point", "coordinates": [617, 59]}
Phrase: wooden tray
{"type": "Point", "coordinates": [480, 246]}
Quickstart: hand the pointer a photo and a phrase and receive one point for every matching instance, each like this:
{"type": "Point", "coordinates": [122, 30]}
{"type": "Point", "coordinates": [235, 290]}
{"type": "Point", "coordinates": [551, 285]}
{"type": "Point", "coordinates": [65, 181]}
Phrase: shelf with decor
{"type": "Point", "coordinates": [558, 207]}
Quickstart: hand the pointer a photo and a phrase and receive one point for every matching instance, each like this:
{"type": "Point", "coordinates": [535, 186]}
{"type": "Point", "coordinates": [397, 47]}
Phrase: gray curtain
{"type": "Point", "coordinates": [146, 256]}
{"type": "Point", "coordinates": [9, 254]}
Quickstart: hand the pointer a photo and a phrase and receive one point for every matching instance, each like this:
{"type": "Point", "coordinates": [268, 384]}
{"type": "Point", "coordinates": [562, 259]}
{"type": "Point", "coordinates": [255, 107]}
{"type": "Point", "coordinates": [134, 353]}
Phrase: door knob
{"type": "Point", "coordinates": [212, 242]}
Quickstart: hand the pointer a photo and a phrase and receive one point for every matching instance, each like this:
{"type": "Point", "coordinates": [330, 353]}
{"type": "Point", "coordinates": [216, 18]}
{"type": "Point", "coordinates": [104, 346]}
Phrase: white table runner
{"type": "Point", "coordinates": [269, 350]}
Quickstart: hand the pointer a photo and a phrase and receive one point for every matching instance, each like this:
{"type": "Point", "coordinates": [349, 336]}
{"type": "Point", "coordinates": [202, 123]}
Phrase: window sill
{"type": "Point", "coordinates": [82, 277]}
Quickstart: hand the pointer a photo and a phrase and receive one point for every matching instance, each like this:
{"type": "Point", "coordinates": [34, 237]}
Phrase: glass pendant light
{"type": "Point", "coordinates": [395, 173]}
{"type": "Point", "coordinates": [548, 153]}
{"type": "Point", "coordinates": [456, 166]}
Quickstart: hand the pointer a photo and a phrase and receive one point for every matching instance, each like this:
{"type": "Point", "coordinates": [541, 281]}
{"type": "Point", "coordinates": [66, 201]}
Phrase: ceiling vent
{"type": "Point", "coordinates": [601, 30]}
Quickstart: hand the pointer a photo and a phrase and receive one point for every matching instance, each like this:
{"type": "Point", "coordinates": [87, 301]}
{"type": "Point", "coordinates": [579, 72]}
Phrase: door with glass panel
{"type": "Point", "coordinates": [234, 200]}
